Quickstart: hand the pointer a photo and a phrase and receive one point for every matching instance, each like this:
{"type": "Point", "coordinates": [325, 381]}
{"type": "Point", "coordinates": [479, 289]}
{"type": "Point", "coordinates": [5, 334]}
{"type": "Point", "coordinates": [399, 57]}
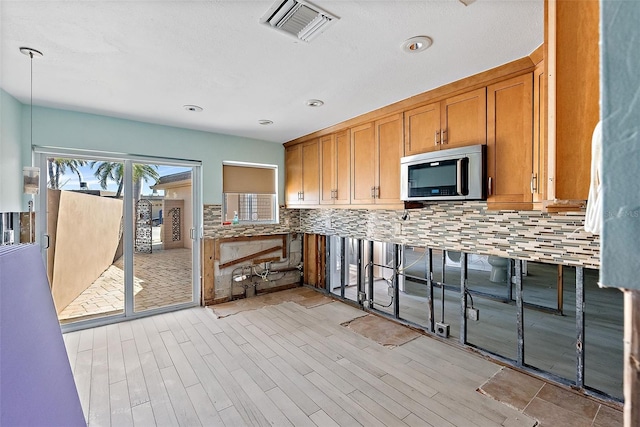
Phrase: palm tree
{"type": "Point", "coordinates": [110, 171]}
{"type": "Point", "coordinates": [58, 166]}
{"type": "Point", "coordinates": [143, 173]}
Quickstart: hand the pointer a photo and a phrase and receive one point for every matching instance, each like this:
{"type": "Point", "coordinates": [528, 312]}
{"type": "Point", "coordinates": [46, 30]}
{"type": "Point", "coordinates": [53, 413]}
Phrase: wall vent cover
{"type": "Point", "coordinates": [298, 18]}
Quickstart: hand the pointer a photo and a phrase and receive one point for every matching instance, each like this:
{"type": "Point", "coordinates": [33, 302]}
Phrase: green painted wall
{"type": "Point", "coordinates": [10, 154]}
{"type": "Point", "coordinates": [68, 129]}
{"type": "Point", "coordinates": [620, 110]}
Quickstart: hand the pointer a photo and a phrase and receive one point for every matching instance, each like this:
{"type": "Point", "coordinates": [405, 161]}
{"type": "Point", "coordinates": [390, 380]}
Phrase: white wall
{"type": "Point", "coordinates": [620, 88]}
{"type": "Point", "coordinates": [68, 129]}
{"type": "Point", "coordinates": [10, 154]}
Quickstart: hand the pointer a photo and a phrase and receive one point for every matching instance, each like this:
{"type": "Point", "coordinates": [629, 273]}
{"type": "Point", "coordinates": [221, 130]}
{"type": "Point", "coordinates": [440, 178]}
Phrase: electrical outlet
{"type": "Point", "coordinates": [327, 222]}
{"type": "Point", "coordinates": [442, 330]}
{"type": "Point", "coordinates": [398, 229]}
{"type": "Point", "coordinates": [473, 314]}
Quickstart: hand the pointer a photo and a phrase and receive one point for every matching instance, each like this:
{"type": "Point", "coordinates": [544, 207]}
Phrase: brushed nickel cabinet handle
{"type": "Point", "coordinates": [444, 136]}
{"type": "Point", "coordinates": [435, 138]}
{"type": "Point", "coordinates": [534, 183]}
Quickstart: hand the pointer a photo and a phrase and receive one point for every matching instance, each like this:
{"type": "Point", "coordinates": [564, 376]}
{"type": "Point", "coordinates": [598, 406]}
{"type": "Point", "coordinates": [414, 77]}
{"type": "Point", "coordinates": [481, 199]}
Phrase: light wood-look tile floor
{"type": "Point", "coordinates": [281, 365]}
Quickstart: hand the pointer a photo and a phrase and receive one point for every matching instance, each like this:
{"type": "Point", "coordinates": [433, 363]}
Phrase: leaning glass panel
{"type": "Point", "coordinates": [549, 337]}
{"type": "Point", "coordinates": [604, 331]}
{"type": "Point", "coordinates": [491, 312]}
{"type": "Point", "coordinates": [414, 290]}
{"type": "Point", "coordinates": [383, 290]}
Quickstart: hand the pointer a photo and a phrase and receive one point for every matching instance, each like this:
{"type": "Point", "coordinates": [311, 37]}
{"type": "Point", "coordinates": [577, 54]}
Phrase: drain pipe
{"type": "Point", "coordinates": [248, 272]}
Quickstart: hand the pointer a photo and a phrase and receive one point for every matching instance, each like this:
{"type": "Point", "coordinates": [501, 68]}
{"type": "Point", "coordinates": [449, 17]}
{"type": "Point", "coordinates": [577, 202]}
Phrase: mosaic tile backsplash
{"type": "Point", "coordinates": [213, 228]}
{"type": "Point", "coordinates": [462, 226]}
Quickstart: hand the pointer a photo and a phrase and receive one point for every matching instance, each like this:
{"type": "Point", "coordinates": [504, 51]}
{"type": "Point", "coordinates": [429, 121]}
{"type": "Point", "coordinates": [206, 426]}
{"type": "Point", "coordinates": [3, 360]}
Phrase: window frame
{"type": "Point", "coordinates": [227, 217]}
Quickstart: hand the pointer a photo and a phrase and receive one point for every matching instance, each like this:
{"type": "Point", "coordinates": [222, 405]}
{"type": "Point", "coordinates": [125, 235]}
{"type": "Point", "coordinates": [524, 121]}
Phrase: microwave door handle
{"type": "Point", "coordinates": [459, 177]}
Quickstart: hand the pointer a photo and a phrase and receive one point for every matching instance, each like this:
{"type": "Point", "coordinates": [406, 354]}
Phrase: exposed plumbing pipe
{"type": "Point", "coordinates": [248, 272]}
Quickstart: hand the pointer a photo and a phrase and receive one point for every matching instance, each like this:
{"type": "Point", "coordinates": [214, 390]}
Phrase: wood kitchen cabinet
{"type": "Point", "coordinates": [454, 122]}
{"type": "Point", "coordinates": [509, 143]}
{"type": "Point", "coordinates": [335, 168]}
{"type": "Point", "coordinates": [376, 149]}
{"type": "Point", "coordinates": [302, 182]}
{"type": "Point", "coordinates": [539, 173]}
{"type": "Point", "coordinates": [572, 62]}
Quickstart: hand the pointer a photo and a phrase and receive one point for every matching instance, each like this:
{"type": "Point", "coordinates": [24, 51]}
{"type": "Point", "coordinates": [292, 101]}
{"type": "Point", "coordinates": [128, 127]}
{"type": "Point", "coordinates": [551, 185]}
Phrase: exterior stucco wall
{"type": "Point", "coordinates": [182, 192]}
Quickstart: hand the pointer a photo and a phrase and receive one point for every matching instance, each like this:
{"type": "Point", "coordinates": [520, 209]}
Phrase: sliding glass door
{"type": "Point", "coordinates": [163, 235]}
{"type": "Point", "coordinates": [120, 236]}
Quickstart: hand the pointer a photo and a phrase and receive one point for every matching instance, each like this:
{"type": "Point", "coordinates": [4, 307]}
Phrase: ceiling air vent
{"type": "Point", "coordinates": [300, 19]}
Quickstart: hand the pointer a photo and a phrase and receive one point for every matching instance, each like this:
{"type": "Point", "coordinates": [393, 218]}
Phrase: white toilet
{"type": "Point", "coordinates": [498, 268]}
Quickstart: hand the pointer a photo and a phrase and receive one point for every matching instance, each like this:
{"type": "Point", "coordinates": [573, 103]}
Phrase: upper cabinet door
{"type": "Point", "coordinates": [464, 119]}
{"type": "Point", "coordinates": [335, 167]}
{"type": "Point", "coordinates": [327, 169]}
{"type": "Point", "coordinates": [509, 143]}
{"type": "Point", "coordinates": [342, 194]}
{"type": "Point", "coordinates": [363, 167]}
{"type": "Point", "coordinates": [422, 129]}
{"type": "Point", "coordinates": [311, 173]}
{"type": "Point", "coordinates": [390, 147]}
{"type": "Point", "coordinates": [293, 175]}
{"type": "Point", "coordinates": [538, 178]}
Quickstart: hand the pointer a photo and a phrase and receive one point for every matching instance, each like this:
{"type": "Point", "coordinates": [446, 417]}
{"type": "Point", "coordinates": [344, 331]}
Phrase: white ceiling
{"type": "Point", "coordinates": [143, 60]}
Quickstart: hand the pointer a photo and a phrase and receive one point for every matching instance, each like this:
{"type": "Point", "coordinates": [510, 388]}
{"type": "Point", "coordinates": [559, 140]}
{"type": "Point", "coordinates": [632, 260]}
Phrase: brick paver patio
{"type": "Point", "coordinates": [160, 279]}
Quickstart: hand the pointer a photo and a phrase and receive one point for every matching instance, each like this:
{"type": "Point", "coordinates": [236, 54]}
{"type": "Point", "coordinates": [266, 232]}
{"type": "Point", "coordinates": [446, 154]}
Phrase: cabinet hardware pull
{"type": "Point", "coordinates": [490, 187]}
{"type": "Point", "coordinates": [534, 183]}
{"type": "Point", "coordinates": [444, 136]}
{"type": "Point", "coordinates": [373, 194]}
{"type": "Point", "coordinates": [336, 193]}
{"type": "Point", "coordinates": [435, 138]}
{"type": "Point", "coordinates": [377, 192]}
{"type": "Point", "coordinates": [302, 195]}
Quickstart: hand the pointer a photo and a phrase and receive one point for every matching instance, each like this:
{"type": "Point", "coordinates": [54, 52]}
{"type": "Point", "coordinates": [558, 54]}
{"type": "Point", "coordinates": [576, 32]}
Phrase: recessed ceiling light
{"type": "Point", "coordinates": [315, 103]}
{"type": "Point", "coordinates": [417, 44]}
{"type": "Point", "coordinates": [192, 108]}
{"type": "Point", "coordinates": [265, 122]}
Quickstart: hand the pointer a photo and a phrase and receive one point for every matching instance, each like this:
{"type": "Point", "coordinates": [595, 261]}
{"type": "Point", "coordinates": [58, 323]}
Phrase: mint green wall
{"type": "Point", "coordinates": [620, 110]}
{"type": "Point", "coordinates": [10, 154]}
{"type": "Point", "coordinates": [68, 129]}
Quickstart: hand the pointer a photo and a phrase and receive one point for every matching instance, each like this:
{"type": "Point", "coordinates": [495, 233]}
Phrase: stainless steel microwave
{"type": "Point", "coordinates": [452, 174]}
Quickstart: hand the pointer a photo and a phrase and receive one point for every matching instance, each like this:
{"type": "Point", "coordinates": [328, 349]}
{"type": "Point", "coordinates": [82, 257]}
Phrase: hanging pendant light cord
{"type": "Point", "coordinates": [31, 102]}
